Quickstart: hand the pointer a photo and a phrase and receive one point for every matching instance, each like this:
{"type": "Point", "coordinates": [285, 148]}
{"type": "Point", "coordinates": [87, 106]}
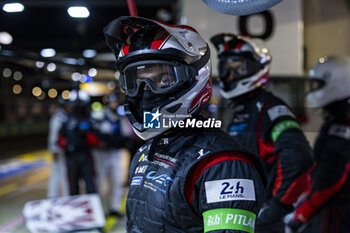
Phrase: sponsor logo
{"type": "Point", "coordinates": [229, 219]}
{"type": "Point", "coordinates": [237, 129]}
{"type": "Point", "coordinates": [141, 169]}
{"type": "Point", "coordinates": [214, 220]}
{"type": "Point", "coordinates": [143, 158]}
{"type": "Point", "coordinates": [259, 106]}
{"type": "Point", "coordinates": [164, 159]}
{"type": "Point", "coordinates": [162, 179]}
{"type": "Point", "coordinates": [157, 182]}
{"type": "Point", "coordinates": [155, 120]}
{"type": "Point", "coordinates": [136, 180]}
{"type": "Point", "coordinates": [229, 190]}
{"type": "Point", "coordinates": [202, 153]}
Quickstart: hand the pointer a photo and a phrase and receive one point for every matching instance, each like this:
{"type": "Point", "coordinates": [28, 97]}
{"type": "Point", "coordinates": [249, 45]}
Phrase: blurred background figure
{"type": "Point", "coordinates": [263, 123]}
{"type": "Point", "coordinates": [76, 138]}
{"type": "Point", "coordinates": [57, 184]}
{"type": "Point", "coordinates": [327, 205]}
{"type": "Point", "coordinates": [110, 159]}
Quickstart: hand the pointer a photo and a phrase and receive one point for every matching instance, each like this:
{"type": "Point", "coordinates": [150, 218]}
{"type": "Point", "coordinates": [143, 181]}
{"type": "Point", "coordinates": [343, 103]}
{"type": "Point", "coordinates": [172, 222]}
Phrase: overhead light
{"type": "Point", "coordinates": [78, 12]}
{"type": "Point", "coordinates": [17, 89]}
{"type": "Point", "coordinates": [6, 72]}
{"type": "Point", "coordinates": [39, 64]}
{"type": "Point", "coordinates": [51, 67]}
{"type": "Point", "coordinates": [92, 72]}
{"type": "Point", "coordinates": [49, 52]}
{"type": "Point", "coordinates": [65, 94]}
{"type": "Point", "coordinates": [13, 7]}
{"type": "Point", "coordinates": [17, 76]}
{"type": "Point", "coordinates": [36, 91]}
{"type": "Point", "coordinates": [52, 93]}
{"type": "Point", "coordinates": [89, 53]}
{"type": "Point", "coordinates": [5, 38]}
{"type": "Point", "coordinates": [76, 76]}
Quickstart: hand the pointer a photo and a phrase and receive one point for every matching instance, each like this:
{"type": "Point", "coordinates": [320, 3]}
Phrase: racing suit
{"type": "Point", "coordinates": [76, 138]}
{"type": "Point", "coordinates": [194, 180]}
{"type": "Point", "coordinates": [109, 157]}
{"type": "Point", "coordinates": [265, 124]}
{"type": "Point", "coordinates": [327, 206]}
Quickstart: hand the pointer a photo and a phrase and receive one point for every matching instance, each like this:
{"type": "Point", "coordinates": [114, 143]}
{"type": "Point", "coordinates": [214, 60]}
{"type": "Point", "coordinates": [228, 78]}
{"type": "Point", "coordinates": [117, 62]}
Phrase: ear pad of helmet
{"type": "Point", "coordinates": [240, 7]}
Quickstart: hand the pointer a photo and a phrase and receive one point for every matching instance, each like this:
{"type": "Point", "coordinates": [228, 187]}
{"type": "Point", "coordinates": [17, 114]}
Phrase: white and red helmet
{"type": "Point", "coordinates": [141, 45]}
{"type": "Point", "coordinates": [253, 58]}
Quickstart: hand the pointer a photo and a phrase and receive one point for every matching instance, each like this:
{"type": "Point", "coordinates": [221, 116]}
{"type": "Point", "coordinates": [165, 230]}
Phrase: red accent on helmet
{"type": "Point", "coordinates": [227, 47]}
{"type": "Point", "coordinates": [203, 96]}
{"type": "Point", "coordinates": [263, 79]}
{"type": "Point", "coordinates": [126, 49]}
{"type": "Point", "coordinates": [239, 45]}
{"type": "Point", "coordinates": [157, 43]}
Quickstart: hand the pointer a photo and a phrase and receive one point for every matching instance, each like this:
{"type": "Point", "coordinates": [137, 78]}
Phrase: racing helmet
{"type": "Point", "coordinates": [329, 81]}
{"type": "Point", "coordinates": [163, 68]}
{"type": "Point", "coordinates": [78, 99]}
{"type": "Point", "coordinates": [244, 64]}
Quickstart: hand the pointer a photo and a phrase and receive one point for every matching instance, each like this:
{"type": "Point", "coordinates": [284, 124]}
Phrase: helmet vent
{"type": "Point", "coordinates": [174, 108]}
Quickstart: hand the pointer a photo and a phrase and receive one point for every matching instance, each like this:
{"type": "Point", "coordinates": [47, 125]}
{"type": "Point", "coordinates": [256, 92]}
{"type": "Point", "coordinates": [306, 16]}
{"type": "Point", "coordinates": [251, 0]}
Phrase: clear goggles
{"type": "Point", "coordinates": [158, 76]}
{"type": "Point", "coordinates": [240, 67]}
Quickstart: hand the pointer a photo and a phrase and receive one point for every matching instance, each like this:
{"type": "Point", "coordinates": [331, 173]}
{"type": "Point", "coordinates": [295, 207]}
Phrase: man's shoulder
{"type": "Point", "coordinates": [219, 141]}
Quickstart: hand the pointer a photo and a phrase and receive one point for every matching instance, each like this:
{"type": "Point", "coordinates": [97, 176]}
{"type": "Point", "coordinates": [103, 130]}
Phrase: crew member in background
{"type": "Point", "coordinates": [185, 179]}
{"type": "Point", "coordinates": [111, 161]}
{"type": "Point", "coordinates": [57, 184]}
{"type": "Point", "coordinates": [265, 124]}
{"type": "Point", "coordinates": [76, 138]}
{"type": "Point", "coordinates": [327, 206]}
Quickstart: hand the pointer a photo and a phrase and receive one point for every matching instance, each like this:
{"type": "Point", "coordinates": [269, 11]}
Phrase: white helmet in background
{"type": "Point", "coordinates": [248, 59]}
{"type": "Point", "coordinates": [329, 81]}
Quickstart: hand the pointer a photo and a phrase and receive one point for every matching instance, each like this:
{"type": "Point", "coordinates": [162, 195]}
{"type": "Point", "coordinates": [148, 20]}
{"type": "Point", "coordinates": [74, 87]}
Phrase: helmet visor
{"type": "Point", "coordinates": [315, 84]}
{"type": "Point", "coordinates": [158, 76]}
{"type": "Point", "coordinates": [238, 68]}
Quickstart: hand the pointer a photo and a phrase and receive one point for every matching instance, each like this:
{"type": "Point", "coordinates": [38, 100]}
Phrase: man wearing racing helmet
{"type": "Point", "coordinates": [184, 180]}
{"type": "Point", "coordinates": [327, 204]}
{"type": "Point", "coordinates": [265, 124]}
{"type": "Point", "coordinates": [76, 138]}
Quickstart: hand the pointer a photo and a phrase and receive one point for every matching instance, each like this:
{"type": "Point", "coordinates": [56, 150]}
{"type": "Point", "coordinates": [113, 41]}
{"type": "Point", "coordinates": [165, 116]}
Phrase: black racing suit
{"type": "Point", "coordinates": [76, 138]}
{"type": "Point", "coordinates": [327, 206]}
{"type": "Point", "coordinates": [194, 180]}
{"type": "Point", "coordinates": [265, 124]}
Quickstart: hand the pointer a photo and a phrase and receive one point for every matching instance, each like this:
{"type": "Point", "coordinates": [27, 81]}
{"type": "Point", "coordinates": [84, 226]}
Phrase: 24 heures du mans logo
{"type": "Point", "coordinates": [155, 120]}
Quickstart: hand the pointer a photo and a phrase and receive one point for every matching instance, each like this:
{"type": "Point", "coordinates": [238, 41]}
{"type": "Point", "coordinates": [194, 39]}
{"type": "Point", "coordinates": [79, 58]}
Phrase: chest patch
{"type": "Point", "coordinates": [237, 129]}
{"type": "Point", "coordinates": [229, 190]}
